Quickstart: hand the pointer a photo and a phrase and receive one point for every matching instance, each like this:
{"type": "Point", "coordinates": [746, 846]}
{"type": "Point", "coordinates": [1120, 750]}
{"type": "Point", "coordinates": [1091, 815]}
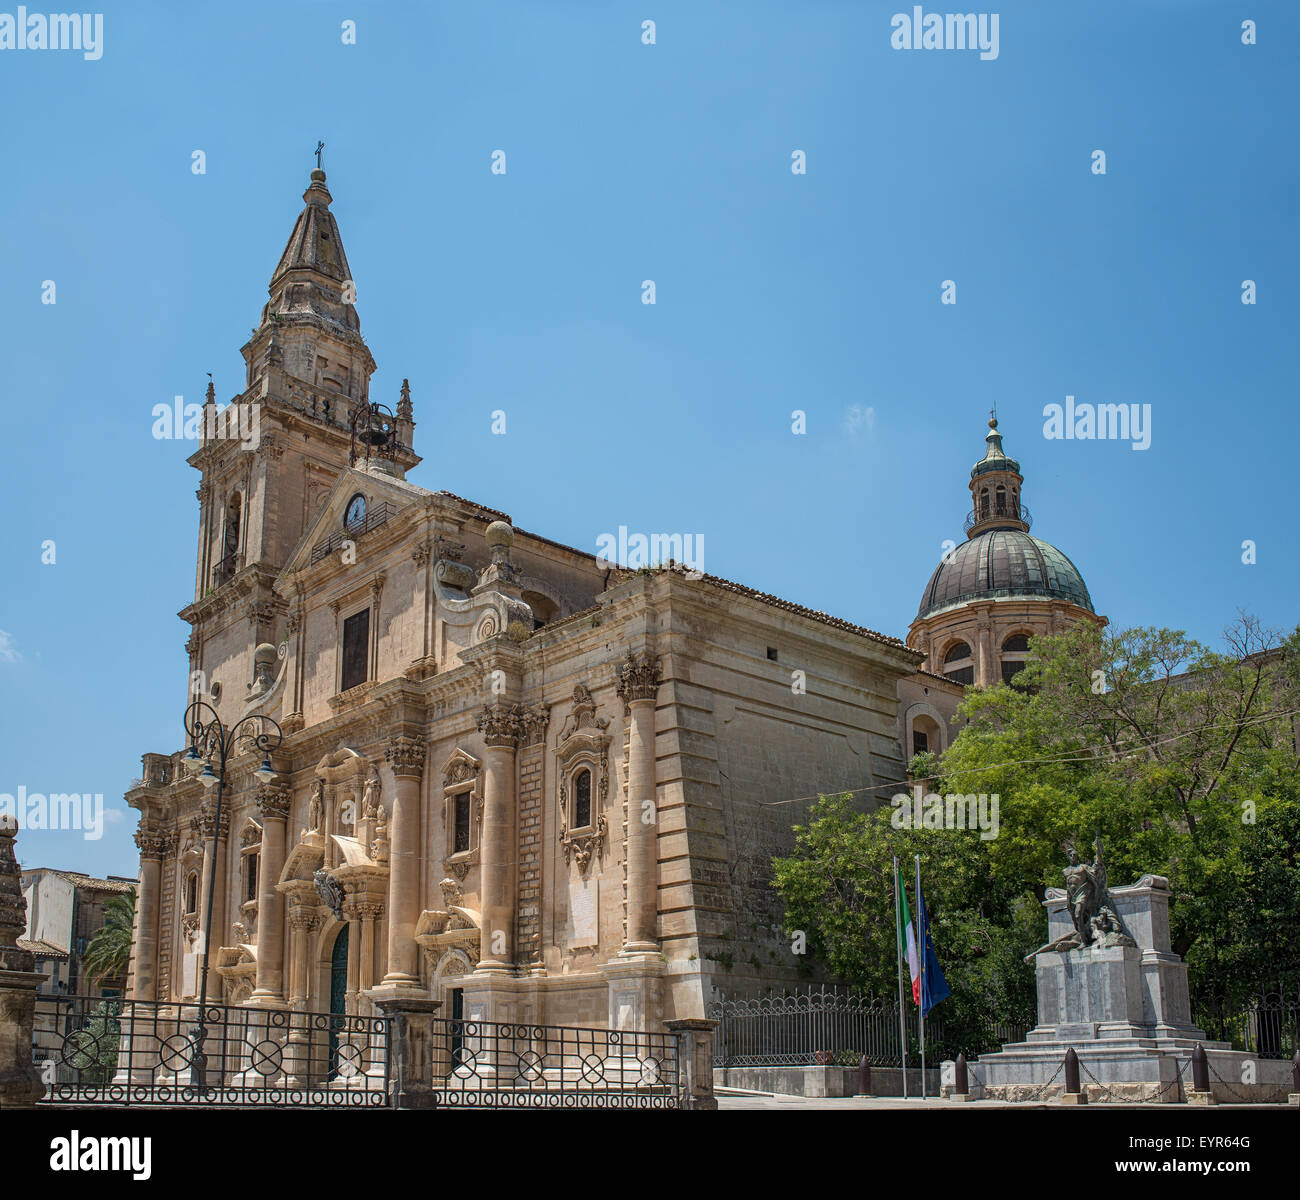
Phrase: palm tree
{"type": "Point", "coordinates": [109, 951]}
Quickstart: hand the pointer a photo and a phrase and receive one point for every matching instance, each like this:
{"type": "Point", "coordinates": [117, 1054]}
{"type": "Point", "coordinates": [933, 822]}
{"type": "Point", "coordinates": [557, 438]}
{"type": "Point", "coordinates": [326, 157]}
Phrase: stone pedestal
{"type": "Point", "coordinates": [20, 1082]}
{"type": "Point", "coordinates": [411, 1045]}
{"type": "Point", "coordinates": [1126, 1012]}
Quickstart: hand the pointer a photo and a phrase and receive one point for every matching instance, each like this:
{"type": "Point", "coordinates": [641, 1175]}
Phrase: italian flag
{"type": "Point", "coordinates": [907, 938]}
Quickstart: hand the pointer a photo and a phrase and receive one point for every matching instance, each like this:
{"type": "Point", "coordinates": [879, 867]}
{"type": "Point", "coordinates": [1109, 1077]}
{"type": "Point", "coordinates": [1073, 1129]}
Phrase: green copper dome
{"type": "Point", "coordinates": [1003, 564]}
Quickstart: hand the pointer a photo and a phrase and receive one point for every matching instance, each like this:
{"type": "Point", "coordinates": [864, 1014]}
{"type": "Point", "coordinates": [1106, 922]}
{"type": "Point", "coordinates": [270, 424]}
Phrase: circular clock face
{"type": "Point", "coordinates": [355, 512]}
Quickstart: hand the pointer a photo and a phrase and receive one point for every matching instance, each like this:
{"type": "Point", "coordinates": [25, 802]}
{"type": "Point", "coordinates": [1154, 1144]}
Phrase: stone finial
{"type": "Point", "coordinates": [404, 403]}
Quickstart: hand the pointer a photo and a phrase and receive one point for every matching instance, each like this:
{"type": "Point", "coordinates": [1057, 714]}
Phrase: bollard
{"type": "Point", "coordinates": [960, 1085]}
{"type": "Point", "coordinates": [1200, 1070]}
{"type": "Point", "coordinates": [864, 1077]}
{"type": "Point", "coordinates": [1201, 1093]}
{"type": "Point", "coordinates": [1073, 1093]}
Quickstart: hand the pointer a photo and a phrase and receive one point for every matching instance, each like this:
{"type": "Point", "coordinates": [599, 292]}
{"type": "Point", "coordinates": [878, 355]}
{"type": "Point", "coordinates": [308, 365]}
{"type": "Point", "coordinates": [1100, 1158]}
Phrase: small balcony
{"type": "Point", "coordinates": [375, 517]}
{"type": "Point", "coordinates": [225, 570]}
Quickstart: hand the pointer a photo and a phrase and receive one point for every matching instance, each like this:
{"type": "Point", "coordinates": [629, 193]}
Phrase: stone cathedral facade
{"type": "Point", "coordinates": [511, 778]}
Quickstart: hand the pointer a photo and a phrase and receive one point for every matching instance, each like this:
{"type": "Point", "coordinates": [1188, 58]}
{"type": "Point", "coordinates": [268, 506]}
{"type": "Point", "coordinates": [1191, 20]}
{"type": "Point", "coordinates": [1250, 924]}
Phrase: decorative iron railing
{"type": "Point", "coordinates": [91, 1050]}
{"type": "Point", "coordinates": [376, 516]}
{"type": "Point", "coordinates": [1268, 1028]}
{"type": "Point", "coordinates": [828, 1026]}
{"type": "Point", "coordinates": [998, 512]}
{"type": "Point", "coordinates": [224, 570]}
{"type": "Point", "coordinates": [485, 1064]}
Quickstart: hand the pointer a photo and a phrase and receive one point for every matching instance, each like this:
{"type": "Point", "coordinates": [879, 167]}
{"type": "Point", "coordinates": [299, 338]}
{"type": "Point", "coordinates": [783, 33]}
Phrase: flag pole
{"type": "Point", "coordinates": [902, 1012]}
{"type": "Point", "coordinates": [921, 923]}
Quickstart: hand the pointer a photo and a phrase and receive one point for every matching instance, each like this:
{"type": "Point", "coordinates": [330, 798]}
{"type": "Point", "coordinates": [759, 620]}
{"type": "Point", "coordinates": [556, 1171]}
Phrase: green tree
{"type": "Point", "coordinates": [1182, 758]}
{"type": "Point", "coordinates": [109, 951]}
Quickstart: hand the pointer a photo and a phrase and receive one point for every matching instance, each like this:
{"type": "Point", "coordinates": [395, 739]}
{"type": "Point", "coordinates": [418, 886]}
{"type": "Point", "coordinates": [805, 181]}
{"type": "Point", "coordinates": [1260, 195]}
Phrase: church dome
{"type": "Point", "coordinates": [1001, 564]}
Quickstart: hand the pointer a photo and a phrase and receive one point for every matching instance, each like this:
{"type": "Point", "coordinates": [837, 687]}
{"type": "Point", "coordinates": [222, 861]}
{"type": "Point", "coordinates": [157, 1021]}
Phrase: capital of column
{"type": "Point", "coordinates": [638, 679]}
{"type": "Point", "coordinates": [204, 822]}
{"type": "Point", "coordinates": [273, 800]}
{"type": "Point", "coordinates": [406, 756]}
{"type": "Point", "coordinates": [534, 721]}
{"type": "Point", "coordinates": [304, 919]}
{"type": "Point", "coordinates": [362, 910]}
{"type": "Point", "coordinates": [153, 843]}
{"type": "Point", "coordinates": [501, 725]}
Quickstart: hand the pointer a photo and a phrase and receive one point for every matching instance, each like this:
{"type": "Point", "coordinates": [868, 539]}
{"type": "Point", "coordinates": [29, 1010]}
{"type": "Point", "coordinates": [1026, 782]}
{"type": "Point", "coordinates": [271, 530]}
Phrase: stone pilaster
{"type": "Point", "coordinates": [638, 685]}
{"type": "Point", "coordinates": [528, 947]}
{"type": "Point", "coordinates": [273, 802]}
{"type": "Point", "coordinates": [406, 757]}
{"type": "Point", "coordinates": [501, 726]}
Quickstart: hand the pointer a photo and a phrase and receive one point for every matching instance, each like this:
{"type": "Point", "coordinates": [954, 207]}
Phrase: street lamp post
{"type": "Point", "coordinates": [209, 741]}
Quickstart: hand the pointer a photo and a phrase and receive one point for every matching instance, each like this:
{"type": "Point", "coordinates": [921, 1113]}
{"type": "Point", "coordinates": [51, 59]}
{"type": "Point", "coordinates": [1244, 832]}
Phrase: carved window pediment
{"type": "Point", "coordinates": [582, 762]}
{"type": "Point", "coordinates": [462, 792]}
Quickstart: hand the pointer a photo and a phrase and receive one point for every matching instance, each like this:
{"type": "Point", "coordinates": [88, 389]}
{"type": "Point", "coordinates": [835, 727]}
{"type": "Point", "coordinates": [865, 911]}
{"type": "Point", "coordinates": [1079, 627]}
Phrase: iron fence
{"type": "Point", "coordinates": [91, 1050]}
{"type": "Point", "coordinates": [485, 1064]}
{"type": "Point", "coordinates": [1266, 1028]}
{"type": "Point", "coordinates": [829, 1026]}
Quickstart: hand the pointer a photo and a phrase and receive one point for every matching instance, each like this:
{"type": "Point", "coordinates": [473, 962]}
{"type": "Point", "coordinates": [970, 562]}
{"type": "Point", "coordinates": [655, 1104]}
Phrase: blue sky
{"type": "Point", "coordinates": [775, 292]}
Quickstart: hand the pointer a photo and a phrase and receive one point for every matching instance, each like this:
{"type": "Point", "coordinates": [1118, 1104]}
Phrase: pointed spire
{"type": "Point", "coordinates": [315, 244]}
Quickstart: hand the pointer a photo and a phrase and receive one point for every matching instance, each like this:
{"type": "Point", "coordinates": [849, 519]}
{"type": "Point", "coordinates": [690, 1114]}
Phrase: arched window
{"type": "Point", "coordinates": [958, 665]}
{"type": "Point", "coordinates": [1001, 500]}
{"type": "Point", "coordinates": [984, 503]}
{"type": "Point", "coordinates": [192, 893]}
{"type": "Point", "coordinates": [1015, 652]}
{"type": "Point", "coordinates": [230, 544]}
{"type": "Point", "coordinates": [582, 799]}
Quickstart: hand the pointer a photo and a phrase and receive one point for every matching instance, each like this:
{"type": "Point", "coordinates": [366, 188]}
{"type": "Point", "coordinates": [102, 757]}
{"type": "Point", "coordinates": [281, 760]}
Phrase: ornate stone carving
{"type": "Point", "coordinates": [451, 894]}
{"type": "Point", "coordinates": [316, 807]}
{"type": "Point", "coordinates": [638, 679]}
{"type": "Point", "coordinates": [330, 890]}
{"type": "Point", "coordinates": [406, 756]}
{"type": "Point", "coordinates": [534, 721]}
{"type": "Point", "coordinates": [203, 823]}
{"type": "Point", "coordinates": [273, 800]}
{"type": "Point", "coordinates": [583, 846]}
{"type": "Point", "coordinates": [422, 553]}
{"type": "Point", "coordinates": [151, 842]}
{"type": "Point", "coordinates": [501, 724]}
{"type": "Point", "coordinates": [582, 715]}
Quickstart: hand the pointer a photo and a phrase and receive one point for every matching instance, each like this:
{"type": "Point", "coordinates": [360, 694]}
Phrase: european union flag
{"type": "Point", "coordinates": [934, 987]}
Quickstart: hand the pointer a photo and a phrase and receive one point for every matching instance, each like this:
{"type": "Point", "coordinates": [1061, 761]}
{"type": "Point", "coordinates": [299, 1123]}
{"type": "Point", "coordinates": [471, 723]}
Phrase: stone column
{"type": "Point", "coordinates": [273, 801]}
{"type": "Point", "coordinates": [205, 823]}
{"type": "Point", "coordinates": [303, 920]}
{"type": "Point", "coordinates": [638, 685]}
{"type": "Point", "coordinates": [406, 757]}
{"type": "Point", "coordinates": [352, 914]}
{"type": "Point", "coordinates": [20, 1082]}
{"type": "Point", "coordinates": [501, 726]}
{"type": "Point", "coordinates": [152, 846]}
{"type": "Point", "coordinates": [368, 911]}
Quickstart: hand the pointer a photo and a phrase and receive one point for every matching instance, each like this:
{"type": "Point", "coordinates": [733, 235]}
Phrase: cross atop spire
{"type": "Point", "coordinates": [319, 147]}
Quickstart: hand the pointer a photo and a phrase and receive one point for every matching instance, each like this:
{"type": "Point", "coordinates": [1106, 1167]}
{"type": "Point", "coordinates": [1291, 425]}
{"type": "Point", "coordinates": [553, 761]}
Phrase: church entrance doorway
{"type": "Point", "coordinates": [338, 996]}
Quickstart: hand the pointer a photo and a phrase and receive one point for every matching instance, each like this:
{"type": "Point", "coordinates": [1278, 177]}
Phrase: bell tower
{"type": "Point", "coordinates": [270, 457]}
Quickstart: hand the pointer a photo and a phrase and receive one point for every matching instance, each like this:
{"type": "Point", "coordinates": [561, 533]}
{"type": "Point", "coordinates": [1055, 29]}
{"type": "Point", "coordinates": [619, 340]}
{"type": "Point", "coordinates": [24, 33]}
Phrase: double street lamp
{"type": "Point", "coordinates": [212, 745]}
